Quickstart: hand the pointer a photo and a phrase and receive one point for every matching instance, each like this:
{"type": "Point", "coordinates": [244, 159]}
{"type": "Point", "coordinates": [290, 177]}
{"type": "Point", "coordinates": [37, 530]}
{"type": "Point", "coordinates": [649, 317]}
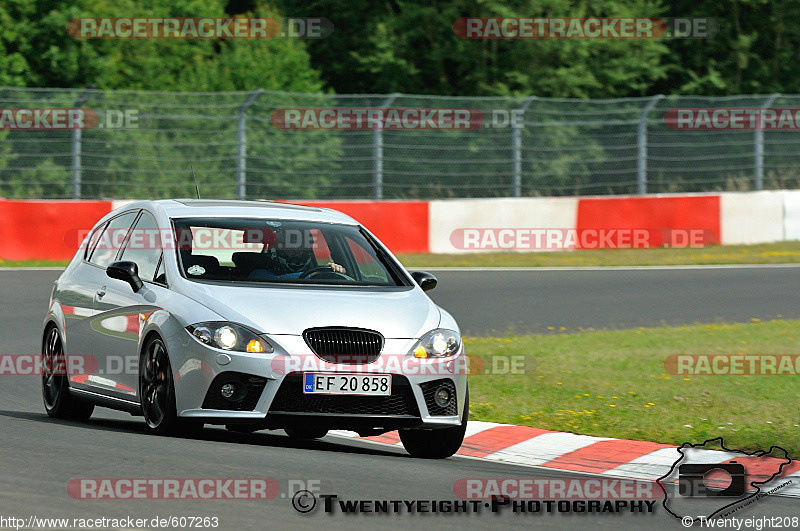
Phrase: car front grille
{"type": "Point", "coordinates": [429, 390]}
{"type": "Point", "coordinates": [291, 399]}
{"type": "Point", "coordinates": [351, 346]}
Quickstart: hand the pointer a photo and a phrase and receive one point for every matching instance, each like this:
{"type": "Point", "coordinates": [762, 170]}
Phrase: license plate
{"type": "Point", "coordinates": [328, 383]}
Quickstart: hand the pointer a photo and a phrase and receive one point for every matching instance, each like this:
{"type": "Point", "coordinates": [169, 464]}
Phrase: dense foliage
{"type": "Point", "coordinates": [382, 47]}
{"type": "Point", "coordinates": [409, 46]}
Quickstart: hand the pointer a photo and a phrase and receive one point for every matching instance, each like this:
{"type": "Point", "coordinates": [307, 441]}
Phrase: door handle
{"type": "Point", "coordinates": [101, 292]}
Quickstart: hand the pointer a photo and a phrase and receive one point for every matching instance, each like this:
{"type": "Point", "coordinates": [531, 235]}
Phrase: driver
{"type": "Point", "coordinates": [292, 257]}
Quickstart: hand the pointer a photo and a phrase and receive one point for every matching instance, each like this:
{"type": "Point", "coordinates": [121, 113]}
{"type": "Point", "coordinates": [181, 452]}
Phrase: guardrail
{"type": "Point", "coordinates": [41, 230]}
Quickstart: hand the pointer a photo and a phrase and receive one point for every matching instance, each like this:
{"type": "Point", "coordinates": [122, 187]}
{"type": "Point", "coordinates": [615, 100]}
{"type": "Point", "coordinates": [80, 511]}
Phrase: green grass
{"type": "Point", "coordinates": [33, 263]}
{"type": "Point", "coordinates": [768, 253]}
{"type": "Point", "coordinates": [614, 384]}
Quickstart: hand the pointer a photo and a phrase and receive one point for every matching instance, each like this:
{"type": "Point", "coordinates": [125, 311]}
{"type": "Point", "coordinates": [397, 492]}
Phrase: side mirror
{"type": "Point", "coordinates": [127, 272]}
{"type": "Point", "coordinates": [425, 280]}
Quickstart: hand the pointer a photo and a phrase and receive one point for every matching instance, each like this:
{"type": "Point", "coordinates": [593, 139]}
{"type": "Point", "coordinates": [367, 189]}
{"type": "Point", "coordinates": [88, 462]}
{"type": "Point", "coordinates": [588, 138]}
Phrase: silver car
{"type": "Point", "coordinates": [252, 315]}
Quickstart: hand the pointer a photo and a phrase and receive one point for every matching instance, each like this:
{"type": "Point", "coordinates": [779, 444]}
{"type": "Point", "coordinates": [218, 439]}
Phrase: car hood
{"type": "Point", "coordinates": [291, 310]}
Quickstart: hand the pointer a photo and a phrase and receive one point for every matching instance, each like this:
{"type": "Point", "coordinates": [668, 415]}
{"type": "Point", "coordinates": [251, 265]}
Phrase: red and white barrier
{"type": "Point", "coordinates": [652, 213]}
{"type": "Point", "coordinates": [752, 217]}
{"type": "Point", "coordinates": [36, 230]}
{"type": "Point", "coordinates": [401, 225]}
{"type": "Point", "coordinates": [791, 215]}
{"type": "Point", "coordinates": [604, 456]}
{"type": "Point", "coordinates": [448, 216]}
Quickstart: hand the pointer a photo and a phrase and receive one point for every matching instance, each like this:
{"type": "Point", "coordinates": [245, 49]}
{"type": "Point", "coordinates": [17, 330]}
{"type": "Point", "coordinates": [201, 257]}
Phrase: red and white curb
{"type": "Point", "coordinates": [534, 447]}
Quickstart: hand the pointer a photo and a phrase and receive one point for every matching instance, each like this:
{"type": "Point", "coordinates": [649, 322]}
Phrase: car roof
{"type": "Point", "coordinates": [185, 208]}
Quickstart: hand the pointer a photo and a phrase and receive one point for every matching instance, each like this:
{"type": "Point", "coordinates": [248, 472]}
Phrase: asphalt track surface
{"type": "Point", "coordinates": [530, 301]}
{"type": "Point", "coordinates": [40, 455]}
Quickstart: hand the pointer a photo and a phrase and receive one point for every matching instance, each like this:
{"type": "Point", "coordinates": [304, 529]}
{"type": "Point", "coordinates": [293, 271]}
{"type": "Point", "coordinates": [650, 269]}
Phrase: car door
{"type": "Point", "coordinates": [78, 295]}
{"type": "Point", "coordinates": [119, 312]}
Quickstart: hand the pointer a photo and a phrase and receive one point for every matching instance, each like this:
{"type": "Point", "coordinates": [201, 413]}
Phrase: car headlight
{"type": "Point", "coordinates": [230, 336]}
{"type": "Point", "coordinates": [438, 343]}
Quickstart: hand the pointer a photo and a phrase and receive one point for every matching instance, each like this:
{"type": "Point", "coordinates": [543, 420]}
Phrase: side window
{"type": "Point", "coordinates": [92, 241]}
{"type": "Point", "coordinates": [111, 240]}
{"type": "Point", "coordinates": [144, 246]}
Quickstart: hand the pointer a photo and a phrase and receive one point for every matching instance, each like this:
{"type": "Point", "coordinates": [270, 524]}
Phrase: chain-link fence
{"type": "Point", "coordinates": [146, 144]}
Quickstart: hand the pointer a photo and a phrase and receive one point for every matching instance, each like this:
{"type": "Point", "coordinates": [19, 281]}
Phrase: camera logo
{"type": "Point", "coordinates": [725, 484]}
{"type": "Point", "coordinates": [701, 480]}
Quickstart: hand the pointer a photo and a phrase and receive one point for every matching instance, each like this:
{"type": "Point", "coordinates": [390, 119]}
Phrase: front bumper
{"type": "Point", "coordinates": [269, 387]}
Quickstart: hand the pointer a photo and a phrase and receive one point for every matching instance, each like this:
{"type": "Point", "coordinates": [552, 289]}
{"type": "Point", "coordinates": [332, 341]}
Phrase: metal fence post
{"type": "Point", "coordinates": [758, 183]}
{"type": "Point", "coordinates": [76, 147]}
{"type": "Point", "coordinates": [377, 152]}
{"type": "Point", "coordinates": [641, 160]}
{"type": "Point", "coordinates": [241, 140]}
{"type": "Point", "coordinates": [516, 148]}
{"type": "Point", "coordinates": [76, 163]}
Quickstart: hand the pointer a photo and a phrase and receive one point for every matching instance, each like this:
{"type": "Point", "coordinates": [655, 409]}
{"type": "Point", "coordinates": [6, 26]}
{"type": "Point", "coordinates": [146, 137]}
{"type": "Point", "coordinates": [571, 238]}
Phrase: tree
{"type": "Point", "coordinates": [174, 130]}
{"type": "Point", "coordinates": [410, 47]}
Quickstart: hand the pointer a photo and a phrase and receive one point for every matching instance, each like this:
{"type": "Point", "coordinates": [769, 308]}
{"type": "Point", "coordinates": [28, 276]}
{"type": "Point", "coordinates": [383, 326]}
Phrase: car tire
{"type": "Point", "coordinates": [306, 433]}
{"type": "Point", "coordinates": [157, 393]}
{"type": "Point", "coordinates": [58, 402]}
{"type": "Point", "coordinates": [436, 444]}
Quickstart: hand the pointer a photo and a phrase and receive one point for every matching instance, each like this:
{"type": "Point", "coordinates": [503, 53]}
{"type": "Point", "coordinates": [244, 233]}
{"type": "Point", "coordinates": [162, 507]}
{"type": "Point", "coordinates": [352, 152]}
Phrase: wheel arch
{"type": "Point", "coordinates": [146, 340]}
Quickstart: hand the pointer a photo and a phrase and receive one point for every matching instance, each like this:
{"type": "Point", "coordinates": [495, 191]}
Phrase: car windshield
{"type": "Point", "coordinates": [281, 251]}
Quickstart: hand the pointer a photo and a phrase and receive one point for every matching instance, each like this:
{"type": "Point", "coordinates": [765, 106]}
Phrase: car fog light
{"type": "Point", "coordinates": [228, 390]}
{"type": "Point", "coordinates": [442, 397]}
